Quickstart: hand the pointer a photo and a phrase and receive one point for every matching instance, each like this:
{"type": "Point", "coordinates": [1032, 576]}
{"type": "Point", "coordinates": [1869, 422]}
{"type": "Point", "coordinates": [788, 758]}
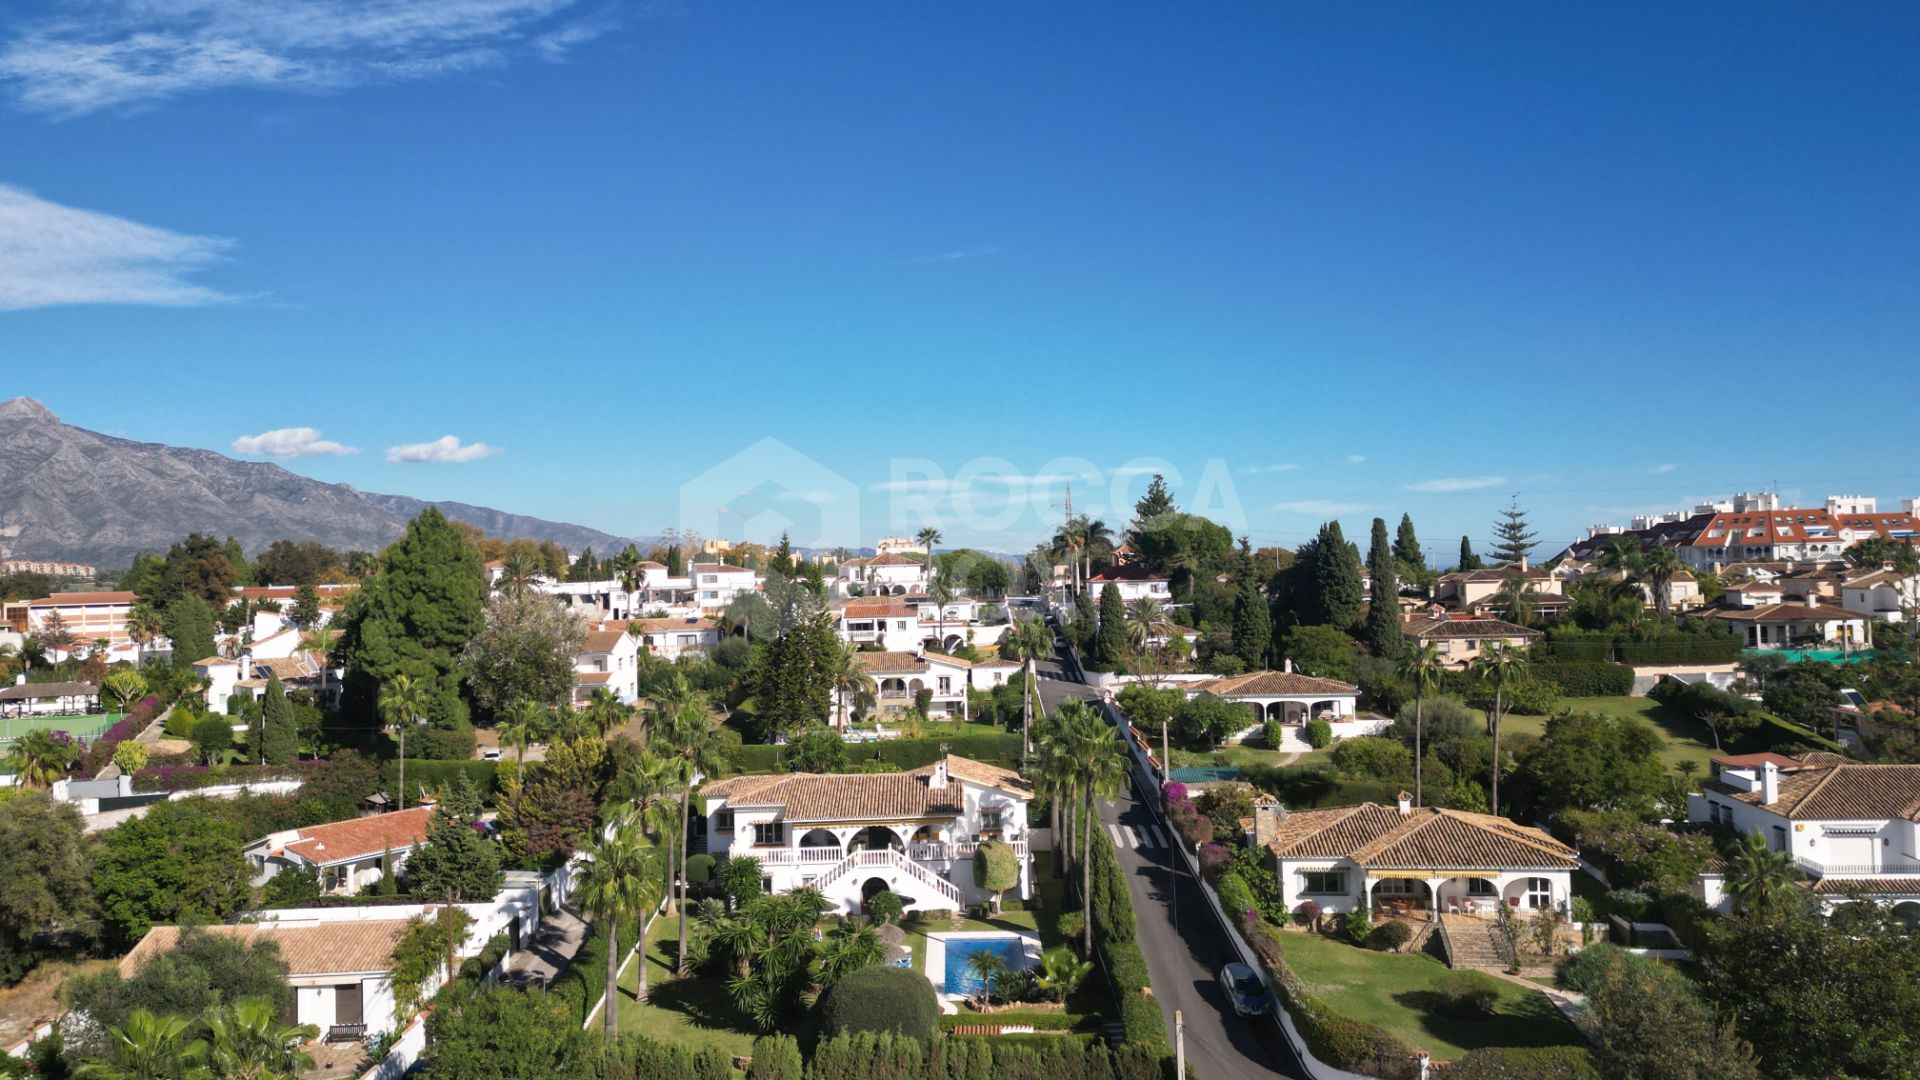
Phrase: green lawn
{"type": "Point", "coordinates": [1685, 738]}
{"type": "Point", "coordinates": [694, 1010]}
{"type": "Point", "coordinates": [1394, 990]}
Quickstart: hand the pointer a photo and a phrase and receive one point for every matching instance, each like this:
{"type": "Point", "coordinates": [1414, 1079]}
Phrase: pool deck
{"type": "Point", "coordinates": [937, 958]}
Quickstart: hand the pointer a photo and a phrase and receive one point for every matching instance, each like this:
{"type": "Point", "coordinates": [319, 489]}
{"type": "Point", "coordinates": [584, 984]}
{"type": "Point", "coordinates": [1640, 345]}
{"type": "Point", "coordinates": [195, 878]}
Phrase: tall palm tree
{"type": "Point", "coordinates": [517, 573]}
{"type": "Point", "coordinates": [940, 591]}
{"type": "Point", "coordinates": [687, 739]}
{"type": "Point", "coordinates": [1516, 600]}
{"type": "Point", "coordinates": [567, 724]}
{"type": "Point", "coordinates": [1499, 667]}
{"type": "Point", "coordinates": [248, 1042]}
{"type": "Point", "coordinates": [1026, 642]}
{"type": "Point", "coordinates": [1096, 541]}
{"type": "Point", "coordinates": [1421, 666]}
{"type": "Point", "coordinates": [1658, 568]}
{"type": "Point", "coordinates": [1759, 879]}
{"type": "Point", "coordinates": [402, 703]}
{"type": "Point", "coordinates": [40, 759]}
{"type": "Point", "coordinates": [605, 712]}
{"type": "Point", "coordinates": [927, 538]}
{"type": "Point", "coordinates": [1147, 619]}
{"type": "Point", "coordinates": [148, 1047]}
{"type": "Point", "coordinates": [521, 725]}
{"type": "Point", "coordinates": [1101, 769]}
{"type": "Point", "coordinates": [632, 576]}
{"type": "Point", "coordinates": [144, 623]}
{"type": "Point", "coordinates": [612, 888]}
{"type": "Point", "coordinates": [849, 680]}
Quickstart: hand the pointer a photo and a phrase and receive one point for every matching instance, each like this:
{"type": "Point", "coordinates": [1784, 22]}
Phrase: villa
{"type": "Point", "coordinates": [851, 835]}
{"type": "Point", "coordinates": [891, 624]}
{"type": "Point", "coordinates": [347, 855]}
{"type": "Point", "coordinates": [609, 658]}
{"type": "Point", "coordinates": [885, 574]}
{"type": "Point", "coordinates": [900, 676]}
{"type": "Point", "coordinates": [1133, 581]}
{"type": "Point", "coordinates": [1461, 638]}
{"type": "Point", "coordinates": [1849, 827]}
{"type": "Point", "coordinates": [670, 639]}
{"type": "Point", "coordinates": [1292, 699]}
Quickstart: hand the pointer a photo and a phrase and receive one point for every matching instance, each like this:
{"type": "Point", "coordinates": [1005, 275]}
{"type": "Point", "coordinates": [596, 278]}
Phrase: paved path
{"type": "Point", "coordinates": [1184, 945]}
{"type": "Point", "coordinates": [555, 942]}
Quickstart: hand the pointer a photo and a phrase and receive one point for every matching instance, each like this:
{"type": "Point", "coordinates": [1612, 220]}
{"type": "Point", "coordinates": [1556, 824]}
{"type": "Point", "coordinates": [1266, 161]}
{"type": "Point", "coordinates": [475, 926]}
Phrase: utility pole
{"type": "Point", "coordinates": [1179, 1045]}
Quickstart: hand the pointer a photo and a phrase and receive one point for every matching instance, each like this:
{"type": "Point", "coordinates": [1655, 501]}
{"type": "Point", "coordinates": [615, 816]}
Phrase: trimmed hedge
{"type": "Point", "coordinates": [195, 777]}
{"type": "Point", "coordinates": [881, 999]}
{"type": "Point", "coordinates": [1669, 647]}
{"type": "Point", "coordinates": [776, 1057]}
{"type": "Point", "coordinates": [1586, 678]}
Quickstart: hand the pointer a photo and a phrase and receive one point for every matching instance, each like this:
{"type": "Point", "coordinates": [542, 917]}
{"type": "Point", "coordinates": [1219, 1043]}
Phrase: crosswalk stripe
{"type": "Point", "coordinates": [1133, 835]}
{"type": "Point", "coordinates": [1153, 835]}
{"type": "Point", "coordinates": [1118, 840]}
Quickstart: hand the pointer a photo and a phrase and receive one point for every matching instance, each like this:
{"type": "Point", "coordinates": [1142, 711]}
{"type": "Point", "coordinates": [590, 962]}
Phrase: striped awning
{"type": "Point", "coordinates": [1422, 875]}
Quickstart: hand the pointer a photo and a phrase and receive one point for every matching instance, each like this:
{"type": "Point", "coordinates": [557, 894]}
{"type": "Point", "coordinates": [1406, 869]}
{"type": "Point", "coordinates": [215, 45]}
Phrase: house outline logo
{"type": "Point", "coordinates": [768, 489]}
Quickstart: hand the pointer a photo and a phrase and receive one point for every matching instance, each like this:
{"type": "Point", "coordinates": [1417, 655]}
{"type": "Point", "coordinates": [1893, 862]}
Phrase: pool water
{"type": "Point", "coordinates": [961, 978]}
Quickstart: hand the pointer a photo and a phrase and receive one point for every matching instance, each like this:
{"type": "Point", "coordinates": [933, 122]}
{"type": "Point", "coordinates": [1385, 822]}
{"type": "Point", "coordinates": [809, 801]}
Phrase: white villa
{"type": "Point", "coordinates": [885, 574]}
{"type": "Point", "coordinates": [899, 676]}
{"type": "Point", "coordinates": [1849, 827]}
{"type": "Point", "coordinates": [851, 835]}
{"type": "Point", "coordinates": [348, 855]}
{"type": "Point", "coordinates": [893, 625]}
{"type": "Point", "coordinates": [610, 659]}
{"type": "Point", "coordinates": [671, 639]}
{"type": "Point", "coordinates": [715, 585]}
{"type": "Point", "coordinates": [1886, 595]}
{"type": "Point", "coordinates": [1292, 699]}
{"type": "Point", "coordinates": [1425, 860]}
{"type": "Point", "coordinates": [1784, 625]}
{"type": "Point", "coordinates": [1134, 583]}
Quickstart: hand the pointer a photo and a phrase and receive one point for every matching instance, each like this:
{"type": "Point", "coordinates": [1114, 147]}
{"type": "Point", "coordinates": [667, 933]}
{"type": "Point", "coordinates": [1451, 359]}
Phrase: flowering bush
{"type": "Point", "coordinates": [1174, 792]}
{"type": "Point", "coordinates": [1213, 860]}
{"type": "Point", "coordinates": [1308, 913]}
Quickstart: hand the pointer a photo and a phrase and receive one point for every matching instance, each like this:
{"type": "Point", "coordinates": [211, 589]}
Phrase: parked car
{"type": "Point", "coordinates": [491, 753]}
{"type": "Point", "coordinates": [1245, 990]}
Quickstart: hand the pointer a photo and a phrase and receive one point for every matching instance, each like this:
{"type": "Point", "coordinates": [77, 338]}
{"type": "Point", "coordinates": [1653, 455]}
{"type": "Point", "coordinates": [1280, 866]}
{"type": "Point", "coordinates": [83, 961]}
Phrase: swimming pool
{"type": "Point", "coordinates": [948, 957]}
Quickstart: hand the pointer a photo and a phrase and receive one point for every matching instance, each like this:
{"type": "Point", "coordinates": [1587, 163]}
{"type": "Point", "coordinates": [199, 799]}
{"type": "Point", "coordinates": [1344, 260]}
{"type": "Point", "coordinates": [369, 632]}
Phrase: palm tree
{"type": "Point", "coordinates": [1147, 619]}
{"type": "Point", "coordinates": [849, 679]}
{"type": "Point", "coordinates": [632, 576]}
{"type": "Point", "coordinates": [1500, 667]}
{"type": "Point", "coordinates": [1658, 568]}
{"type": "Point", "coordinates": [1097, 761]}
{"type": "Point", "coordinates": [1052, 767]}
{"type": "Point", "coordinates": [1061, 972]}
{"type": "Point", "coordinates": [402, 701]}
{"type": "Point", "coordinates": [248, 1042]}
{"type": "Point", "coordinates": [1759, 879]}
{"type": "Point", "coordinates": [847, 949]}
{"type": "Point", "coordinates": [1516, 600]}
{"type": "Point", "coordinates": [990, 968]}
{"type": "Point", "coordinates": [148, 1047]}
{"type": "Point", "coordinates": [1027, 641]}
{"type": "Point", "coordinates": [123, 687]}
{"type": "Point", "coordinates": [521, 725]}
{"type": "Point", "coordinates": [689, 742]}
{"type": "Point", "coordinates": [612, 888]}
{"type": "Point", "coordinates": [941, 593]}
{"type": "Point", "coordinates": [604, 712]}
{"type": "Point", "coordinates": [567, 724]}
{"type": "Point", "coordinates": [1420, 666]}
{"type": "Point", "coordinates": [144, 623]}
{"type": "Point", "coordinates": [517, 572]}
{"type": "Point", "coordinates": [927, 538]}
{"type": "Point", "coordinates": [39, 758]}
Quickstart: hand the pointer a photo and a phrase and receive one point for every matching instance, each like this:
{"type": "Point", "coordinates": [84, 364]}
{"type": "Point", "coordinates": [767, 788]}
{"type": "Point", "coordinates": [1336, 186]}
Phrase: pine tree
{"type": "Point", "coordinates": [1406, 546]}
{"type": "Point", "coordinates": [783, 558]}
{"type": "Point", "coordinates": [1110, 644]}
{"type": "Point", "coordinates": [585, 568]}
{"type": "Point", "coordinates": [306, 608]}
{"type": "Point", "coordinates": [1252, 626]}
{"type": "Point", "coordinates": [1383, 608]}
{"type": "Point", "coordinates": [456, 863]}
{"type": "Point", "coordinates": [279, 737]}
{"type": "Point", "coordinates": [1158, 500]}
{"type": "Point", "coordinates": [1512, 540]}
{"type": "Point", "coordinates": [1468, 560]}
{"type": "Point", "coordinates": [1337, 588]}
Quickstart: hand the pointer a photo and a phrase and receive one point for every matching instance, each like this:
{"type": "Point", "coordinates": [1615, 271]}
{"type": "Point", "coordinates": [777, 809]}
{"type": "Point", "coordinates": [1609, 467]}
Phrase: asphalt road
{"type": "Point", "coordinates": [1183, 943]}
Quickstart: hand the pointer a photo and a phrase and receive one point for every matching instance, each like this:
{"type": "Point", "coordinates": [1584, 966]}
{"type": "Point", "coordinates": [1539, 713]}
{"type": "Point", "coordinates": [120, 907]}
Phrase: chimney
{"type": "Point", "coordinates": [938, 779]}
{"type": "Point", "coordinates": [1813, 599]}
{"type": "Point", "coordinates": [1287, 666]}
{"type": "Point", "coordinates": [1266, 823]}
{"type": "Point", "coordinates": [1523, 563]}
{"type": "Point", "coordinates": [1406, 803]}
{"type": "Point", "coordinates": [1769, 783]}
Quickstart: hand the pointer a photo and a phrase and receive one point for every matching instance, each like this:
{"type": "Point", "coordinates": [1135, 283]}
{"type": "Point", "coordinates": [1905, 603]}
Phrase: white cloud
{"type": "Point", "coordinates": [128, 51]}
{"type": "Point", "coordinates": [1355, 459]}
{"type": "Point", "coordinates": [289, 442]}
{"type": "Point", "coordinates": [1321, 507]}
{"type": "Point", "coordinates": [1659, 470]}
{"type": "Point", "coordinates": [1261, 470]}
{"type": "Point", "coordinates": [52, 254]}
{"type": "Point", "coordinates": [958, 254]}
{"type": "Point", "coordinates": [446, 448]}
{"type": "Point", "coordinates": [1449, 484]}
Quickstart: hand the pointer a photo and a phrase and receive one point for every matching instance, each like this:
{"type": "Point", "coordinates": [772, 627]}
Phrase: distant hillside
{"type": "Point", "coordinates": [70, 493]}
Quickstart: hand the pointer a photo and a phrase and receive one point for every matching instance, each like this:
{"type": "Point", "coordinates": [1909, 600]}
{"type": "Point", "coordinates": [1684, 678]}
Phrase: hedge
{"type": "Point", "coordinates": [1340, 1041]}
{"type": "Point", "coordinates": [776, 1057]}
{"type": "Point", "coordinates": [1586, 678]}
{"type": "Point", "coordinates": [1671, 647]}
{"type": "Point", "coordinates": [438, 773]}
{"type": "Point", "coordinates": [585, 979]}
{"type": "Point", "coordinates": [880, 999]}
{"type": "Point", "coordinates": [194, 777]}
{"type": "Point", "coordinates": [1307, 787]}
{"type": "Point", "coordinates": [1521, 1063]}
{"type": "Point", "coordinates": [996, 748]}
{"type": "Point", "coordinates": [1772, 733]}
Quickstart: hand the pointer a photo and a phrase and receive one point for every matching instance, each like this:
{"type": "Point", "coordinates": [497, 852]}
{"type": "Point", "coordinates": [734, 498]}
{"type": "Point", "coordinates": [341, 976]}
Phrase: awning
{"type": "Point", "coordinates": [1422, 875]}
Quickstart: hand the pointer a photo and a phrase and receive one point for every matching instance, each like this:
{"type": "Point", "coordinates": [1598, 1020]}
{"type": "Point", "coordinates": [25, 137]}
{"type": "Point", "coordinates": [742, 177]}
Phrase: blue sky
{"type": "Point", "coordinates": [1363, 259]}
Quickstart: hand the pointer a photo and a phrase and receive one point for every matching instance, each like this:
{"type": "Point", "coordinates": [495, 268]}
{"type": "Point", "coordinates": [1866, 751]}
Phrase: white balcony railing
{"type": "Point", "coordinates": [1891, 864]}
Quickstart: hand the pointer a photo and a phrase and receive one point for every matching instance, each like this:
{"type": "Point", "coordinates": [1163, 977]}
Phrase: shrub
{"type": "Point", "coordinates": [1466, 995]}
{"type": "Point", "coordinates": [885, 906]}
{"type": "Point", "coordinates": [1534, 697]}
{"type": "Point", "coordinates": [1586, 969]}
{"type": "Point", "coordinates": [1072, 925]}
{"type": "Point", "coordinates": [1318, 733]}
{"type": "Point", "coordinates": [699, 869]}
{"type": "Point", "coordinates": [1373, 756]}
{"type": "Point", "coordinates": [880, 999]}
{"type": "Point", "coordinates": [775, 1057]}
{"type": "Point", "coordinates": [1308, 913]}
{"type": "Point", "coordinates": [1585, 678]}
{"type": "Point", "coordinates": [1389, 935]}
{"type": "Point", "coordinates": [1359, 923]}
{"type": "Point", "coordinates": [1274, 734]}
{"type": "Point", "coordinates": [1235, 894]}
{"type": "Point", "coordinates": [1521, 1063]}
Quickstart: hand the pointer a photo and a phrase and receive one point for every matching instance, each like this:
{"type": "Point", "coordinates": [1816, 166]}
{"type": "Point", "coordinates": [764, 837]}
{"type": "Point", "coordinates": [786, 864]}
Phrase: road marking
{"type": "Point", "coordinates": [1153, 835]}
{"type": "Point", "coordinates": [1133, 837]}
{"type": "Point", "coordinates": [1118, 840]}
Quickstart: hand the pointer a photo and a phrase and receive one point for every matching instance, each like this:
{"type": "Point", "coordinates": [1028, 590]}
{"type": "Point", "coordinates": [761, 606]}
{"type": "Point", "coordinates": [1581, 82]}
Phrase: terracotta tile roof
{"type": "Point", "coordinates": [300, 665]}
{"type": "Point", "coordinates": [1497, 574]}
{"type": "Point", "coordinates": [1275, 683]}
{"type": "Point", "coordinates": [997, 662]}
{"type": "Point", "coordinates": [900, 796]}
{"type": "Point", "coordinates": [69, 598]}
{"type": "Point", "coordinates": [662, 626]}
{"type": "Point", "coordinates": [877, 609]}
{"type": "Point", "coordinates": [1885, 886]}
{"type": "Point", "coordinates": [29, 691]}
{"type": "Point", "coordinates": [1878, 577]}
{"type": "Point", "coordinates": [1785, 613]}
{"type": "Point", "coordinates": [891, 661]}
{"type": "Point", "coordinates": [1795, 525]}
{"type": "Point", "coordinates": [358, 838]}
{"type": "Point", "coordinates": [944, 658]}
{"type": "Point", "coordinates": [1740, 761]}
{"type": "Point", "coordinates": [1825, 791]}
{"type": "Point", "coordinates": [1427, 626]}
{"type": "Point", "coordinates": [334, 948]}
{"type": "Point", "coordinates": [1428, 837]}
{"type": "Point", "coordinates": [215, 661]}
{"type": "Point", "coordinates": [1132, 572]}
{"type": "Point", "coordinates": [601, 641]}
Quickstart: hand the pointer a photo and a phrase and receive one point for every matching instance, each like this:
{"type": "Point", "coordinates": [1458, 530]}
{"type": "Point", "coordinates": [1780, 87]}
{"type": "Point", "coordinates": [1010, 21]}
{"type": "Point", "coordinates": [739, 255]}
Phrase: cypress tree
{"type": "Point", "coordinates": [1383, 609]}
{"type": "Point", "coordinates": [676, 562]}
{"type": "Point", "coordinates": [279, 737]}
{"type": "Point", "coordinates": [1468, 560]}
{"type": "Point", "coordinates": [1406, 546]}
{"type": "Point", "coordinates": [1252, 626]}
{"type": "Point", "coordinates": [1513, 541]}
{"type": "Point", "coordinates": [1110, 645]}
{"type": "Point", "coordinates": [1337, 588]}
{"type": "Point", "coordinates": [190, 628]}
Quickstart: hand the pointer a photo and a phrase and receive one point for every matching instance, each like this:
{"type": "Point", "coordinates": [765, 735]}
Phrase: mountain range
{"type": "Point", "coordinates": [77, 495]}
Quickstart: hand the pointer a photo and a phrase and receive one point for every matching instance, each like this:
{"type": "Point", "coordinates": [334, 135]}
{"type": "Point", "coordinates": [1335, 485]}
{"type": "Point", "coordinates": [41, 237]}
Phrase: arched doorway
{"type": "Point", "coordinates": [819, 838]}
{"type": "Point", "coordinates": [1401, 896]}
{"type": "Point", "coordinates": [874, 885]}
{"type": "Point", "coordinates": [1908, 914]}
{"type": "Point", "coordinates": [874, 838]}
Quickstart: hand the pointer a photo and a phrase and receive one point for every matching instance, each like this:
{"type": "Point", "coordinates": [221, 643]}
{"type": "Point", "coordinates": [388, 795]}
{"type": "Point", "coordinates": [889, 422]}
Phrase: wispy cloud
{"type": "Point", "coordinates": [125, 52]}
{"type": "Point", "coordinates": [1661, 470]}
{"type": "Point", "coordinates": [1355, 459]}
{"type": "Point", "coordinates": [52, 254]}
{"type": "Point", "coordinates": [958, 254]}
{"type": "Point", "coordinates": [1449, 484]}
{"type": "Point", "coordinates": [1321, 507]}
{"type": "Point", "coordinates": [1262, 470]}
{"type": "Point", "coordinates": [446, 448]}
{"type": "Point", "coordinates": [290, 442]}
